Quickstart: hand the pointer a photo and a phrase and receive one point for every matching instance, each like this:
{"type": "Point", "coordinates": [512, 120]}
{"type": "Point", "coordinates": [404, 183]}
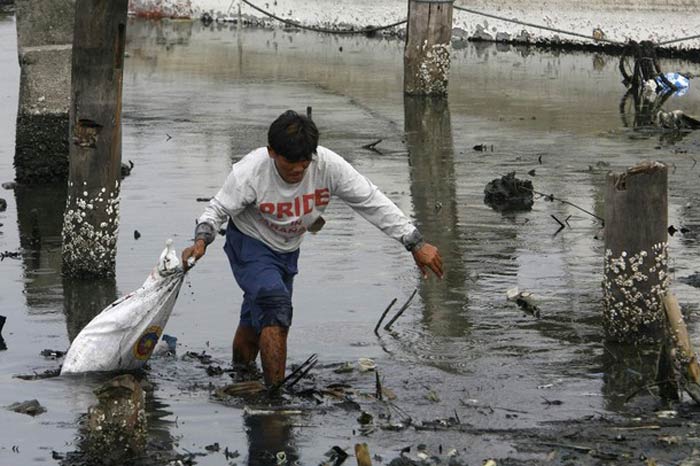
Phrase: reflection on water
{"type": "Point", "coordinates": [40, 220]}
{"type": "Point", "coordinates": [431, 155]}
{"type": "Point", "coordinates": [84, 299]}
{"type": "Point", "coordinates": [270, 435]}
{"type": "Point", "coordinates": [198, 97]}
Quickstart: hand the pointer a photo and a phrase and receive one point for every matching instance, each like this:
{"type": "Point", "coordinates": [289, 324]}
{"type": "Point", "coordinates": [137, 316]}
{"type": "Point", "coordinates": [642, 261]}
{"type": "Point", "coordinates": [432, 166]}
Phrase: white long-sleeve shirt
{"type": "Point", "coordinates": [264, 206]}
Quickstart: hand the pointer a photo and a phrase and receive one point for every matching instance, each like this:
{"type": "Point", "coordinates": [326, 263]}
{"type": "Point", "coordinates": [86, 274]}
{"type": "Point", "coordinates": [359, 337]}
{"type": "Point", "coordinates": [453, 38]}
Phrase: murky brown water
{"type": "Point", "coordinates": [196, 99]}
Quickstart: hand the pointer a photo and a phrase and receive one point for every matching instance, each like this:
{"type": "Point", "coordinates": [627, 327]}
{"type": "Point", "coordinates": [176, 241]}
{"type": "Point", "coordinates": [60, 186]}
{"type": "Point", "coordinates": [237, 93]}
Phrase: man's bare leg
{"type": "Point", "coordinates": [273, 353]}
{"type": "Point", "coordinates": [245, 345]}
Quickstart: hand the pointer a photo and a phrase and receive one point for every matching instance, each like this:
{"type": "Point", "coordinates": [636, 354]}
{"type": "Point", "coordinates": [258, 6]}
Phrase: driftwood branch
{"type": "Point", "coordinates": [381, 319]}
{"type": "Point", "coordinates": [400, 311]}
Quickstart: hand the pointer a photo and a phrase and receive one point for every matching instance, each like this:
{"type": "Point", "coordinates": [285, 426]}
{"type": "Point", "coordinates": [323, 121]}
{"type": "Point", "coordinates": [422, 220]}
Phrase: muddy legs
{"type": "Point", "coordinates": [273, 354]}
{"type": "Point", "coordinates": [245, 345]}
{"type": "Point", "coordinates": [272, 344]}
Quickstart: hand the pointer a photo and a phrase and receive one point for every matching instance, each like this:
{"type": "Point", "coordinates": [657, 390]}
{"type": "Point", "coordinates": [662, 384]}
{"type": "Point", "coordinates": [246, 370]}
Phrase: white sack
{"type": "Point", "coordinates": [123, 335]}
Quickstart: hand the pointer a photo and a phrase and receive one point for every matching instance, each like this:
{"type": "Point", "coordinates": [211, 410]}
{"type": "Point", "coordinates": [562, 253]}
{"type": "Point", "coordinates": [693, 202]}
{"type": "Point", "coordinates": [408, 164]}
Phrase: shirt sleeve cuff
{"type": "Point", "coordinates": [413, 241]}
{"type": "Point", "coordinates": [204, 231]}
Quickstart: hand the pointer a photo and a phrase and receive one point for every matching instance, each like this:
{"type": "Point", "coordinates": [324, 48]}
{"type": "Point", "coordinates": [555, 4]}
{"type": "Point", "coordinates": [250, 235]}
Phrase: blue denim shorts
{"type": "Point", "coordinates": [266, 278]}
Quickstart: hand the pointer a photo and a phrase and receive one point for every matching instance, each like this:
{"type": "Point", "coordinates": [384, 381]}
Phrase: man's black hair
{"type": "Point", "coordinates": [293, 136]}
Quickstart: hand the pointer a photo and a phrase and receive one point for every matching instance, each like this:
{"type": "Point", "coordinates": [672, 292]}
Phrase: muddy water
{"type": "Point", "coordinates": [196, 99]}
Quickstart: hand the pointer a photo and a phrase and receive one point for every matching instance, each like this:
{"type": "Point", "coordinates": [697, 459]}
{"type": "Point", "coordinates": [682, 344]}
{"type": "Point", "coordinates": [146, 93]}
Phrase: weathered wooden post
{"type": "Point", "coordinates": [636, 253]}
{"type": "Point", "coordinates": [428, 46]}
{"type": "Point", "coordinates": [91, 218]}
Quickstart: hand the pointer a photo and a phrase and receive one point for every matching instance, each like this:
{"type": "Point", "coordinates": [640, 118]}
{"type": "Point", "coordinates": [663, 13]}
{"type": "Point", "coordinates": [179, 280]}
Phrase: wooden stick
{"type": "Point", "coordinates": [403, 308]}
{"type": "Point", "coordinates": [362, 454]}
{"type": "Point", "coordinates": [381, 319]}
{"type": "Point", "coordinates": [679, 332]}
{"type": "Point", "coordinates": [377, 386]}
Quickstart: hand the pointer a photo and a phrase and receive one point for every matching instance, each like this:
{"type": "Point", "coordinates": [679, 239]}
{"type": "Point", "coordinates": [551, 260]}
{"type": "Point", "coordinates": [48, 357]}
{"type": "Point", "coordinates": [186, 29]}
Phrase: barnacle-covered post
{"type": "Point", "coordinates": [428, 46]}
{"type": "Point", "coordinates": [91, 217]}
{"type": "Point", "coordinates": [636, 253]}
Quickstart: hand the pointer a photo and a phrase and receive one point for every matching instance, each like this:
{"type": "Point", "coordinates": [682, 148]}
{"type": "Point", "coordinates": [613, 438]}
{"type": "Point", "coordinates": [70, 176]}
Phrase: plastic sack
{"type": "Point", "coordinates": [681, 82]}
{"type": "Point", "coordinates": [124, 334]}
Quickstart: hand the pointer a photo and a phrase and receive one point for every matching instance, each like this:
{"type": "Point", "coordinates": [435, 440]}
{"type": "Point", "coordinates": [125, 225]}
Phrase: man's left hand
{"type": "Point", "coordinates": [428, 257]}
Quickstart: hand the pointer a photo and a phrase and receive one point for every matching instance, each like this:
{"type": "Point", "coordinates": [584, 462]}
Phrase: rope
{"type": "Point", "coordinates": [367, 30]}
{"type": "Point", "coordinates": [538, 26]}
{"type": "Point", "coordinates": [672, 41]}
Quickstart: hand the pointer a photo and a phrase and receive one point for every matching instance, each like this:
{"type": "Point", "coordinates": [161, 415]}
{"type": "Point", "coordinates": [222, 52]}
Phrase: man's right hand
{"type": "Point", "coordinates": [197, 250]}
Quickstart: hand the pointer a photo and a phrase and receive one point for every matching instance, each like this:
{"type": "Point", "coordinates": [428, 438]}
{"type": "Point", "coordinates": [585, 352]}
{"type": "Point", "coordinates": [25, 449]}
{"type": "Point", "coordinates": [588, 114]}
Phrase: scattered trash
{"type": "Point", "coordinates": [126, 169]}
{"type": "Point", "coordinates": [214, 370]}
{"type": "Point", "coordinates": [673, 230]}
{"type": "Point", "coordinates": [344, 369]}
{"type": "Point", "coordinates": [509, 193]}
{"type": "Point", "coordinates": [373, 146]}
{"type": "Point", "coordinates": [241, 389]}
{"type": "Point", "coordinates": [202, 357]}
{"type": "Point", "coordinates": [668, 414]}
{"type": "Point", "coordinates": [166, 346]}
{"type": "Point", "coordinates": [125, 333]}
{"type": "Point", "coordinates": [366, 364]}
{"type": "Point", "coordinates": [231, 454]}
{"type": "Point", "coordinates": [525, 300]}
{"type": "Point", "coordinates": [214, 447]}
{"type": "Point", "coordinates": [9, 185]}
{"type": "Point", "coordinates": [692, 280]}
{"type": "Point", "coordinates": [483, 147]}
{"type": "Point", "coordinates": [10, 255]}
{"type": "Point", "coordinates": [47, 374]}
{"type": "Point", "coordinates": [336, 455]}
{"type": "Point", "coordinates": [3, 346]}
{"type": "Point", "coordinates": [281, 458]}
{"type": "Point", "coordinates": [52, 354]}
{"type": "Point", "coordinates": [31, 407]}
{"type": "Point", "coordinates": [365, 418]}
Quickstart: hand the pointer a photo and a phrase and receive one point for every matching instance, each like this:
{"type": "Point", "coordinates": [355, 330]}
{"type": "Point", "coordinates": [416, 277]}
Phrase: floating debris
{"type": "Point", "coordinates": [366, 364]}
{"type": "Point", "coordinates": [525, 300]}
{"type": "Point", "coordinates": [126, 169]}
{"type": "Point", "coordinates": [31, 408]}
{"type": "Point", "coordinates": [52, 354]}
{"type": "Point", "coordinates": [47, 374]}
{"type": "Point", "coordinates": [3, 346]}
{"type": "Point", "coordinates": [10, 255]}
{"type": "Point", "coordinates": [3, 205]}
{"type": "Point", "coordinates": [692, 280]}
{"type": "Point", "coordinates": [509, 193]}
{"type": "Point", "coordinates": [137, 234]}
{"type": "Point", "coordinates": [9, 185]}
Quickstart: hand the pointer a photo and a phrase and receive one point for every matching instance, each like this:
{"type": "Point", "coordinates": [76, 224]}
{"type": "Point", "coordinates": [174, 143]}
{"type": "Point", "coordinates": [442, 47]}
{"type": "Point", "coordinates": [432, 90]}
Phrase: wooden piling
{"type": "Point", "coordinates": [91, 218]}
{"type": "Point", "coordinates": [428, 46]}
{"type": "Point", "coordinates": [362, 455]}
{"type": "Point", "coordinates": [636, 253]}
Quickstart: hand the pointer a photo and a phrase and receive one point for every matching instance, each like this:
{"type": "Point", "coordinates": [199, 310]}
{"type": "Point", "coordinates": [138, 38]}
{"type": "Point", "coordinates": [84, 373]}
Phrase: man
{"type": "Point", "coordinates": [271, 198]}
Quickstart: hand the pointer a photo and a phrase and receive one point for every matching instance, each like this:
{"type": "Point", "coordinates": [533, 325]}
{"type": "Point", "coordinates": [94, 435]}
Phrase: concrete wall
{"type": "Point", "coordinates": [619, 20]}
{"type": "Point", "coordinates": [45, 36]}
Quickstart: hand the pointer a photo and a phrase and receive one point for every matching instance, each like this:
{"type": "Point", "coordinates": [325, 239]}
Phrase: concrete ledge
{"type": "Point", "coordinates": [41, 148]}
{"type": "Point", "coordinates": [655, 20]}
{"type": "Point", "coordinates": [45, 80]}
